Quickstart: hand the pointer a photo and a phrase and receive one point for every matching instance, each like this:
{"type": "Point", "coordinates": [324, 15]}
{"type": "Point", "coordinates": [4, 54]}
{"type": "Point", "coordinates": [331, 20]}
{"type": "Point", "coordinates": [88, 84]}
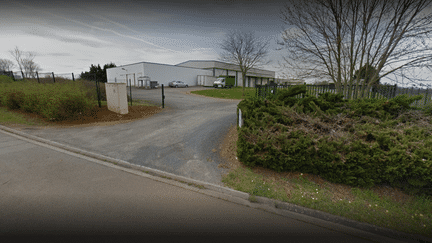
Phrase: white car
{"type": "Point", "coordinates": [177, 84]}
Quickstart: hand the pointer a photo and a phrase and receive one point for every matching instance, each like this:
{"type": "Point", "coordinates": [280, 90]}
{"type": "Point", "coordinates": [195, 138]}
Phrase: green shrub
{"type": "Point", "coordinates": [382, 108]}
{"type": "Point", "coordinates": [54, 101]}
{"type": "Point", "coordinates": [6, 79]}
{"type": "Point", "coordinates": [359, 143]}
{"type": "Point", "coordinates": [14, 99]}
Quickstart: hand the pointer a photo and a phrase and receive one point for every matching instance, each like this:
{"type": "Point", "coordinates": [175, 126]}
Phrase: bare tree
{"type": "Point", "coordinates": [25, 64]}
{"type": "Point", "coordinates": [244, 50]}
{"type": "Point", "coordinates": [6, 65]}
{"type": "Point", "coordinates": [30, 68]}
{"type": "Point", "coordinates": [336, 38]}
{"type": "Point", "coordinates": [16, 53]}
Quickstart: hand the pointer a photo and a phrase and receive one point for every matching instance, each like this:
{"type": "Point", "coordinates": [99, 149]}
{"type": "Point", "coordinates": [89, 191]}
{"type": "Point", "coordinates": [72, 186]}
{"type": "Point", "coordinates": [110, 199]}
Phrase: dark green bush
{"type": "Point", "coordinates": [359, 143]}
{"type": "Point", "coordinates": [382, 108]}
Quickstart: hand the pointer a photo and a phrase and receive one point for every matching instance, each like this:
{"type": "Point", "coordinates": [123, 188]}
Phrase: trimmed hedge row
{"type": "Point", "coordinates": [358, 143]}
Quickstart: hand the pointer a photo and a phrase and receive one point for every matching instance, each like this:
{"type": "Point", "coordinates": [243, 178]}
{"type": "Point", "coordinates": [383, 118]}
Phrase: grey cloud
{"type": "Point", "coordinates": [53, 35]}
{"type": "Point", "coordinates": [59, 54]}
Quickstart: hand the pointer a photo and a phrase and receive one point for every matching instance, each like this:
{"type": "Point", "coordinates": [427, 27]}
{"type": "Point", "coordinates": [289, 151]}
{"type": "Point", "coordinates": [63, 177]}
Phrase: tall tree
{"type": "Point", "coordinates": [6, 65]}
{"type": "Point", "coordinates": [333, 38]}
{"type": "Point", "coordinates": [29, 66]}
{"type": "Point", "coordinates": [17, 54]}
{"type": "Point", "coordinates": [25, 63]}
{"type": "Point", "coordinates": [97, 72]}
{"type": "Point", "coordinates": [244, 50]}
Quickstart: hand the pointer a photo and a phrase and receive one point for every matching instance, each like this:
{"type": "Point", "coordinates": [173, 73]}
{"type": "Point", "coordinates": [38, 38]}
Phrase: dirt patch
{"type": "Point", "coordinates": [96, 117]}
{"type": "Point", "coordinates": [228, 150]}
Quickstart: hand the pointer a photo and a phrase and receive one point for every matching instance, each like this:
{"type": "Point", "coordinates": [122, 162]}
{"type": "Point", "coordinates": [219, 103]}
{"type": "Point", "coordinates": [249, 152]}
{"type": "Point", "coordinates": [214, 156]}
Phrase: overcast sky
{"type": "Point", "coordinates": [69, 36]}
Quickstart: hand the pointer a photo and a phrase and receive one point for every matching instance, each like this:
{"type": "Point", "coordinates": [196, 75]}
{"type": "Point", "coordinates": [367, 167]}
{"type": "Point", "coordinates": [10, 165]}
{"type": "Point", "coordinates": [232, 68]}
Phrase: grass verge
{"type": "Point", "coordinates": [16, 117]}
{"type": "Point", "coordinates": [363, 205]}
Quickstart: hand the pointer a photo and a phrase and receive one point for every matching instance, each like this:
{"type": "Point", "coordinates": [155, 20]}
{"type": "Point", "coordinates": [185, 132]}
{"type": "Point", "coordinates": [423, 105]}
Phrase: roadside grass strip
{"type": "Point", "coordinates": [413, 217]}
{"type": "Point", "coordinates": [233, 93]}
{"type": "Point", "coordinates": [11, 117]}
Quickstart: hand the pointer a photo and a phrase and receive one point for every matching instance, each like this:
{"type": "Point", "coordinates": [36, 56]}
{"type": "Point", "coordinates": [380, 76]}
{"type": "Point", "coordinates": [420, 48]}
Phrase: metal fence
{"type": "Point", "coordinates": [7, 73]}
{"type": "Point", "coordinates": [51, 77]}
{"type": "Point", "coordinates": [353, 92]}
{"type": "Point", "coordinates": [45, 77]}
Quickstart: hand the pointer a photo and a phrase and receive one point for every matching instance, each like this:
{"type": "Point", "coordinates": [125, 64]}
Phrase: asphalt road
{"type": "Point", "coordinates": [48, 192]}
{"type": "Point", "coordinates": [178, 140]}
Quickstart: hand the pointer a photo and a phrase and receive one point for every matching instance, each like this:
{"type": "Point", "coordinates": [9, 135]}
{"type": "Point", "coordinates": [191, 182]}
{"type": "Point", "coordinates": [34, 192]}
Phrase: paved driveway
{"type": "Point", "coordinates": [178, 140]}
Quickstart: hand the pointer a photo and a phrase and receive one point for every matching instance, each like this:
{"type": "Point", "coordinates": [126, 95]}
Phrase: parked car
{"type": "Point", "coordinates": [176, 84]}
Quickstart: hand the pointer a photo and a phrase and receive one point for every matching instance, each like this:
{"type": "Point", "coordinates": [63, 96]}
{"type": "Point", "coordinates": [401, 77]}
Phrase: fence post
{"type": "Point", "coordinates": [37, 75]}
{"type": "Point", "coordinates": [426, 95]}
{"type": "Point", "coordinates": [97, 90]}
{"type": "Point", "coordinates": [130, 89]}
{"type": "Point", "coordinates": [417, 100]}
{"type": "Point", "coordinates": [163, 97]}
{"type": "Point", "coordinates": [394, 92]}
{"type": "Point", "coordinates": [73, 78]}
{"type": "Point", "coordinates": [53, 77]}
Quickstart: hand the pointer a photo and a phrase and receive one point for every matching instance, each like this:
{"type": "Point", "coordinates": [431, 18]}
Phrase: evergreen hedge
{"type": "Point", "coordinates": [362, 142]}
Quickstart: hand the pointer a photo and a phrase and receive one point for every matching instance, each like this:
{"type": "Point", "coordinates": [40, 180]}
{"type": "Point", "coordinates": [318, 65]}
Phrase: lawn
{"type": "Point", "coordinates": [233, 93]}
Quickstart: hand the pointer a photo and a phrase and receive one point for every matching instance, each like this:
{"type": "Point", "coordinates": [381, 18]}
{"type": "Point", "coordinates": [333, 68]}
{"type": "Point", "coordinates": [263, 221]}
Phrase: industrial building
{"type": "Point", "coordinates": [192, 72]}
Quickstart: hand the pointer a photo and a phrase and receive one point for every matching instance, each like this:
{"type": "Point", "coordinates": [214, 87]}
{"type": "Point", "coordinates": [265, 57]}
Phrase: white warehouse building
{"type": "Point", "coordinates": [193, 73]}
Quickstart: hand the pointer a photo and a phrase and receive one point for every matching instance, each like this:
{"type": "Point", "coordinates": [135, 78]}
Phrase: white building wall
{"type": "Point", "coordinates": [223, 66]}
{"type": "Point", "coordinates": [118, 75]}
{"type": "Point", "coordinates": [219, 72]}
{"type": "Point", "coordinates": [198, 64]}
{"type": "Point", "coordinates": [161, 73]}
{"type": "Point", "coordinates": [231, 73]}
{"type": "Point", "coordinates": [164, 74]}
